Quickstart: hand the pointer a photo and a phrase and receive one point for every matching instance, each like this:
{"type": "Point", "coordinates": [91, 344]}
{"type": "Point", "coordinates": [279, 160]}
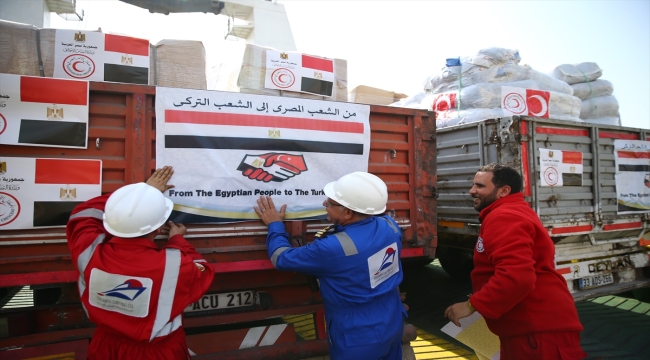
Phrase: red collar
{"type": "Point", "coordinates": [139, 241]}
{"type": "Point", "coordinates": [516, 197]}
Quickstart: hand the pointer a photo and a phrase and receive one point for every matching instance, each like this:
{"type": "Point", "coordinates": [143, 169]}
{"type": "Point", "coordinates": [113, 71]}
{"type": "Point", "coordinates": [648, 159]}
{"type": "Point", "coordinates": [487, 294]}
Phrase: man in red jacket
{"type": "Point", "coordinates": [134, 291]}
{"type": "Point", "coordinates": [523, 299]}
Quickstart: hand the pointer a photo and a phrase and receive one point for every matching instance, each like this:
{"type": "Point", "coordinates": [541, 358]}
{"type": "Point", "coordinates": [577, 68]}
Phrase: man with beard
{"type": "Point", "coordinates": [523, 299]}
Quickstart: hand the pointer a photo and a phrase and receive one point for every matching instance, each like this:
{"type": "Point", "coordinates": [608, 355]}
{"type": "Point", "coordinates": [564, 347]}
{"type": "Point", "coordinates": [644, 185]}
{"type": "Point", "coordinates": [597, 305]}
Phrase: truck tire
{"type": "Point", "coordinates": [458, 263]}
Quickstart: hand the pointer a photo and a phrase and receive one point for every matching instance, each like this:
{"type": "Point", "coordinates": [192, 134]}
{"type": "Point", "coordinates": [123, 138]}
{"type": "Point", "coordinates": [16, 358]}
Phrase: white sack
{"type": "Point", "coordinates": [573, 74]}
{"type": "Point", "coordinates": [593, 89]}
{"type": "Point", "coordinates": [447, 79]}
{"type": "Point", "coordinates": [599, 107]}
{"type": "Point", "coordinates": [489, 96]}
{"type": "Point", "coordinates": [452, 117]}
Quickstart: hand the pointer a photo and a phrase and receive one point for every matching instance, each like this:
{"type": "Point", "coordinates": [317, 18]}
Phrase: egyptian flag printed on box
{"type": "Point", "coordinates": [97, 56]}
{"type": "Point", "coordinates": [43, 192]}
{"type": "Point", "coordinates": [525, 102]}
{"type": "Point", "coordinates": [632, 176]}
{"type": "Point", "coordinates": [236, 147]}
{"type": "Point", "coordinates": [48, 112]}
{"type": "Point", "coordinates": [560, 167]}
{"type": "Point", "coordinates": [299, 72]}
{"type": "Point", "coordinates": [126, 59]}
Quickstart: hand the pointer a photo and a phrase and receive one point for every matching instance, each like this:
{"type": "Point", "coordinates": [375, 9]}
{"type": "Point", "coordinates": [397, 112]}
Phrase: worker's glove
{"type": "Point", "coordinates": [272, 166]}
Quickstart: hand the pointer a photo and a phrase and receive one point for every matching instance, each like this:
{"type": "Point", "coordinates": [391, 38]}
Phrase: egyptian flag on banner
{"type": "Point", "coordinates": [632, 159]}
{"type": "Point", "coordinates": [43, 192]}
{"type": "Point", "coordinates": [299, 72]}
{"type": "Point", "coordinates": [48, 112]}
{"type": "Point", "coordinates": [560, 167]}
{"type": "Point", "coordinates": [126, 59]}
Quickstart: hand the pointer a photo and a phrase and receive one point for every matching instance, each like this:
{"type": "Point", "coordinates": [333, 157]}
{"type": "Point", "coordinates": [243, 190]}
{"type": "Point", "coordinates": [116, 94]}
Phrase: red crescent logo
{"type": "Point", "coordinates": [9, 208]}
{"type": "Point", "coordinates": [3, 124]}
{"type": "Point", "coordinates": [74, 66]}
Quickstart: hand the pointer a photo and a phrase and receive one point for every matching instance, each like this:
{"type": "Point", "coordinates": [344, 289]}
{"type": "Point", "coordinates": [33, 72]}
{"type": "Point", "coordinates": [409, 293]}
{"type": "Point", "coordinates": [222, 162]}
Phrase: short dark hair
{"type": "Point", "coordinates": [504, 175]}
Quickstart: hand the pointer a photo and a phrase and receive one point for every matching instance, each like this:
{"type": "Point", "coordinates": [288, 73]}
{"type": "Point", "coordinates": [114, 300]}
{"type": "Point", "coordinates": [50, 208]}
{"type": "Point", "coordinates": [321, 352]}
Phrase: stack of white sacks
{"type": "Point", "coordinates": [468, 89]}
{"type": "Point", "coordinates": [598, 104]}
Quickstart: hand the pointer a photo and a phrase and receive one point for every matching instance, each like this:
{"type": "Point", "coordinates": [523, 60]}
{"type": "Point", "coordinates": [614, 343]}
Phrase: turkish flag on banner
{"type": "Point", "coordinates": [525, 102]}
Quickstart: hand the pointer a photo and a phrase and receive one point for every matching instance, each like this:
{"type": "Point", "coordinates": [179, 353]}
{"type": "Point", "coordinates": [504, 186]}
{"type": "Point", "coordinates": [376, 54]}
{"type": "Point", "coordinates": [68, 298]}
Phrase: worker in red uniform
{"type": "Point", "coordinates": [515, 286]}
{"type": "Point", "coordinates": [134, 291]}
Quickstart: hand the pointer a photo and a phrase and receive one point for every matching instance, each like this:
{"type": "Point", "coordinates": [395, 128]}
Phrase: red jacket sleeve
{"type": "Point", "coordinates": [195, 275]}
{"type": "Point", "coordinates": [507, 238]}
{"type": "Point", "coordinates": [85, 225]}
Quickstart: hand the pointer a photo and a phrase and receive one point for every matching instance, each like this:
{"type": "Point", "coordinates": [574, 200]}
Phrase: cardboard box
{"type": "Point", "coordinates": [370, 95]}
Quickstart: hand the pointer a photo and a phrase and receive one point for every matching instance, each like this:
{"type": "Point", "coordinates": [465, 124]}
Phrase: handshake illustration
{"type": "Point", "coordinates": [272, 166]}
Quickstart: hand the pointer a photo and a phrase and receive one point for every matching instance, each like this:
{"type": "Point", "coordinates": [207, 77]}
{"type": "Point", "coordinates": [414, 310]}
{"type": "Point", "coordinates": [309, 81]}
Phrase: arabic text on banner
{"type": "Point", "coordinates": [95, 56]}
{"type": "Point", "coordinates": [40, 193]}
{"type": "Point", "coordinates": [632, 158]}
{"type": "Point", "coordinates": [228, 149]}
{"type": "Point", "coordinates": [47, 112]}
{"type": "Point", "coordinates": [560, 167]}
{"type": "Point", "coordinates": [299, 72]}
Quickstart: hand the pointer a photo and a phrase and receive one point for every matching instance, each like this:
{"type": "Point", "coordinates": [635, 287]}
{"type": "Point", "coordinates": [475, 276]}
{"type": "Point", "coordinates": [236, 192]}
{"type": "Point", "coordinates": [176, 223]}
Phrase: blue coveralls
{"type": "Point", "coordinates": [358, 268]}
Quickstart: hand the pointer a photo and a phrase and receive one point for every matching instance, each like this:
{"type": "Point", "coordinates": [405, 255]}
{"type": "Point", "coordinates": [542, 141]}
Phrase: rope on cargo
{"type": "Point", "coordinates": [591, 91]}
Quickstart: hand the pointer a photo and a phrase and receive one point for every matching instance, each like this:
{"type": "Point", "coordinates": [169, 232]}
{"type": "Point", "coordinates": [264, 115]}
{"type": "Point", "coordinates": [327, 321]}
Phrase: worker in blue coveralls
{"type": "Point", "coordinates": [357, 264]}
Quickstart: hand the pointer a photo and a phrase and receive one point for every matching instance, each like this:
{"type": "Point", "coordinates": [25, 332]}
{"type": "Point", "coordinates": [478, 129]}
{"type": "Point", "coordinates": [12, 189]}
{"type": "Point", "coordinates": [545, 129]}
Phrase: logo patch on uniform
{"type": "Point", "coordinates": [128, 295]}
{"type": "Point", "coordinates": [383, 264]}
{"type": "Point", "coordinates": [479, 245]}
{"type": "Point", "coordinates": [201, 267]}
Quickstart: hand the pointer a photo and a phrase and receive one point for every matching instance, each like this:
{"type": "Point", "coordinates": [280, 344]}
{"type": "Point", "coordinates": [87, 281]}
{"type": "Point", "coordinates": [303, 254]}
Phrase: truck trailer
{"type": "Point", "coordinates": [601, 245]}
{"type": "Point", "coordinates": [244, 314]}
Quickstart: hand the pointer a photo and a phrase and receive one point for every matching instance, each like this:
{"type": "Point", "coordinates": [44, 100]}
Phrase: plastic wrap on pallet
{"type": "Point", "coordinates": [453, 117]}
{"type": "Point", "coordinates": [447, 80]}
{"type": "Point", "coordinates": [592, 89]}
{"type": "Point", "coordinates": [180, 64]}
{"type": "Point", "coordinates": [599, 107]}
{"type": "Point", "coordinates": [224, 65]}
{"type": "Point", "coordinates": [579, 73]}
{"type": "Point", "coordinates": [18, 53]}
{"type": "Point", "coordinates": [253, 71]}
{"type": "Point", "coordinates": [411, 102]}
{"type": "Point", "coordinates": [488, 96]}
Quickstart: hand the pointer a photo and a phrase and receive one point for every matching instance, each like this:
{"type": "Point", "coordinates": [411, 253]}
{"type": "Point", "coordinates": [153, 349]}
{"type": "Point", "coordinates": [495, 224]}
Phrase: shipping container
{"type": "Point", "coordinates": [599, 248]}
{"type": "Point", "coordinates": [242, 314]}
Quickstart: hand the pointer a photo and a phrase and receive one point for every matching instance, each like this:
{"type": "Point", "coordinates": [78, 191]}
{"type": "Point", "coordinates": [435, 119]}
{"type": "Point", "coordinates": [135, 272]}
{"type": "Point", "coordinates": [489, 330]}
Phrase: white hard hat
{"type": "Point", "coordinates": [359, 191]}
{"type": "Point", "coordinates": [136, 210]}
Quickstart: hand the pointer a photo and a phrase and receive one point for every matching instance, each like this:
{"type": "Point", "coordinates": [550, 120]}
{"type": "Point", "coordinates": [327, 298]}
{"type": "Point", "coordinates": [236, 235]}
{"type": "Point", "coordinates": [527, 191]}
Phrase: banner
{"type": "Point", "coordinates": [47, 112]}
{"type": "Point", "coordinates": [96, 56]}
{"type": "Point", "coordinates": [525, 102]}
{"type": "Point", "coordinates": [632, 158]}
{"type": "Point", "coordinates": [299, 72]}
{"type": "Point", "coordinates": [560, 167]}
{"type": "Point", "coordinates": [228, 149]}
{"type": "Point", "coordinates": [37, 193]}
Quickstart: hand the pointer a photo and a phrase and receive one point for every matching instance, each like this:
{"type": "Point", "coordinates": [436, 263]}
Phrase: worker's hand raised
{"type": "Point", "coordinates": [160, 177]}
{"type": "Point", "coordinates": [265, 209]}
{"type": "Point", "coordinates": [176, 229]}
